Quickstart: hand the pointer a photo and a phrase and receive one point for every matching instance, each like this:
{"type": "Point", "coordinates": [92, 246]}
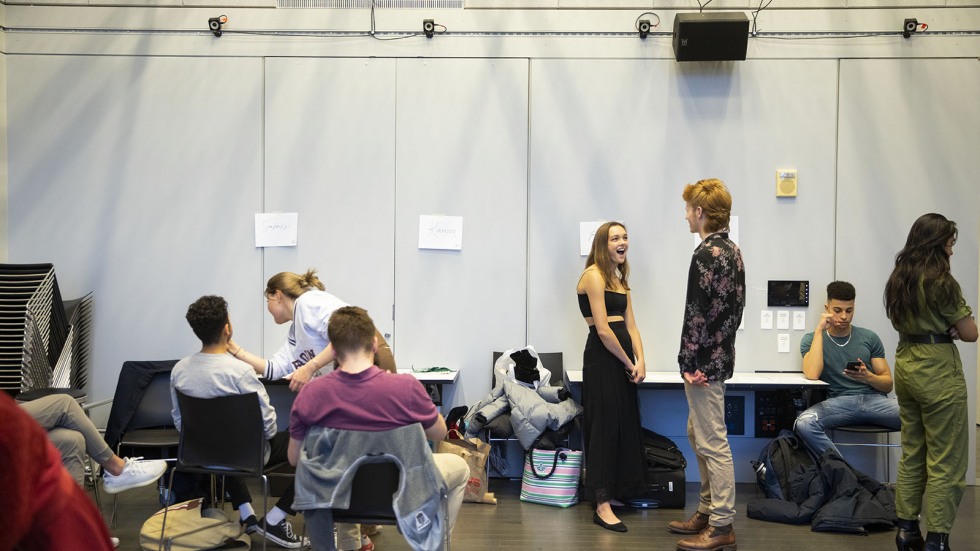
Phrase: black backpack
{"type": "Point", "coordinates": [778, 461]}
{"type": "Point", "coordinates": [661, 453]}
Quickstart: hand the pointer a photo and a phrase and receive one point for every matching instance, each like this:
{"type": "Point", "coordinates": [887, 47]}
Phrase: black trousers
{"type": "Point", "coordinates": [238, 492]}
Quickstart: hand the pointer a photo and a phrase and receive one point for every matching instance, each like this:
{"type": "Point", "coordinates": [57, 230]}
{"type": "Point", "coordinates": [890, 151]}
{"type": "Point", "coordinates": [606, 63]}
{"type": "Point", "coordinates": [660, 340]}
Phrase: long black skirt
{"type": "Point", "coordinates": [615, 466]}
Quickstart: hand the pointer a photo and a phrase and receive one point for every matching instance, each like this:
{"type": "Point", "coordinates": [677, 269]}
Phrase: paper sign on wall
{"type": "Point", "coordinates": [586, 233]}
{"type": "Point", "coordinates": [440, 232]}
{"type": "Point", "coordinates": [782, 319]}
{"type": "Point", "coordinates": [276, 229]}
{"type": "Point", "coordinates": [799, 320]}
{"type": "Point", "coordinates": [782, 343]}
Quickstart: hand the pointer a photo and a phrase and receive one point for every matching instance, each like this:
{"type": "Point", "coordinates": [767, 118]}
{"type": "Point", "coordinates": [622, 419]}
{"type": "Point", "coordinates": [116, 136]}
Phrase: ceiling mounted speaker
{"type": "Point", "coordinates": [711, 36]}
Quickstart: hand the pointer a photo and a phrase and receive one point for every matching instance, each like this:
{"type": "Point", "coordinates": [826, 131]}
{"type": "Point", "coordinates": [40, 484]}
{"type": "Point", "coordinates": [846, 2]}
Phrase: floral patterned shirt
{"type": "Point", "coordinates": [713, 308]}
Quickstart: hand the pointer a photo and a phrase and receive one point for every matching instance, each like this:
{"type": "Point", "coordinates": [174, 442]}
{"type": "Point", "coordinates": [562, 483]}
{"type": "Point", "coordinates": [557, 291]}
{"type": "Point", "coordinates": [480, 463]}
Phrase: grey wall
{"type": "Point", "coordinates": [137, 162]}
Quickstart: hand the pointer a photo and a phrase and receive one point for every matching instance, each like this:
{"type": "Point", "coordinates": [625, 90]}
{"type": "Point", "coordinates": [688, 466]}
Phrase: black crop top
{"type": "Point", "coordinates": [615, 304]}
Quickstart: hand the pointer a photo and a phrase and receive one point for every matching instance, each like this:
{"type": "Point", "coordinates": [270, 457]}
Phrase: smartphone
{"type": "Point", "coordinates": [852, 366]}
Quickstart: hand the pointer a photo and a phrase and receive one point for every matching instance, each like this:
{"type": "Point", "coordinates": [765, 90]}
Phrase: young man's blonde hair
{"type": "Point", "coordinates": [715, 202]}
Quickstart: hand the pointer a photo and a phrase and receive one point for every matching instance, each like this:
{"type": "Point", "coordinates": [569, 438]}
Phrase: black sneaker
{"type": "Point", "coordinates": [282, 535]}
{"type": "Point", "coordinates": [250, 524]}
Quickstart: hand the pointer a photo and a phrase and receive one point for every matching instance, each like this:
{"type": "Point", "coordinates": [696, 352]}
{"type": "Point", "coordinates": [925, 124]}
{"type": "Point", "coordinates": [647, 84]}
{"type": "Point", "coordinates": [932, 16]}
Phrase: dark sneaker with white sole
{"type": "Point", "coordinates": [282, 535]}
{"type": "Point", "coordinates": [250, 524]}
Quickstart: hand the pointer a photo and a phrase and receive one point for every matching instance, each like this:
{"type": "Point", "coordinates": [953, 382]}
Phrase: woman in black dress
{"type": "Point", "coordinates": [613, 365]}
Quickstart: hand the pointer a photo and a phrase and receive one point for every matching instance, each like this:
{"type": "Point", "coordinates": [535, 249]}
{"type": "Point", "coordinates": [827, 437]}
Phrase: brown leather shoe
{"type": "Point", "coordinates": [710, 539]}
{"type": "Point", "coordinates": [693, 525]}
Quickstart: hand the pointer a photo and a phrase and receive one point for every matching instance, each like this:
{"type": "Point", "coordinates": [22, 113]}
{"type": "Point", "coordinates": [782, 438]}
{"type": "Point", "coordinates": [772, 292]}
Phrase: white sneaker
{"type": "Point", "coordinates": [136, 473]}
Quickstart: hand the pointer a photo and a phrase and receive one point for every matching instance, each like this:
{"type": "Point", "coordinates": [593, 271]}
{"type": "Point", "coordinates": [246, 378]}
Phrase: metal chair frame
{"type": "Point", "coordinates": [874, 430]}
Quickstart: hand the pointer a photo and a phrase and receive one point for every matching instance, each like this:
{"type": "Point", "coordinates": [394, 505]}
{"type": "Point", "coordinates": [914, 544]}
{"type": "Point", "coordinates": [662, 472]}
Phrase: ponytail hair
{"type": "Point", "coordinates": [293, 285]}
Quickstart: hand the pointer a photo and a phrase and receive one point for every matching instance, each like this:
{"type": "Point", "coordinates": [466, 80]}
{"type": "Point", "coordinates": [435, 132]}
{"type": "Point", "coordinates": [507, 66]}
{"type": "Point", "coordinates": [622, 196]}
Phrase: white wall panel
{"type": "Point", "coordinates": [137, 177]}
{"type": "Point", "coordinates": [618, 140]}
{"type": "Point", "coordinates": [461, 150]}
{"type": "Point", "coordinates": [330, 156]}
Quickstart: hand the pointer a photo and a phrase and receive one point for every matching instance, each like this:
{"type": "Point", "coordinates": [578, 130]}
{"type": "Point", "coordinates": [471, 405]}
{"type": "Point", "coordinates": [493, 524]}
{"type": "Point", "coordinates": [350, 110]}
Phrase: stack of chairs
{"type": "Point", "coordinates": [44, 342]}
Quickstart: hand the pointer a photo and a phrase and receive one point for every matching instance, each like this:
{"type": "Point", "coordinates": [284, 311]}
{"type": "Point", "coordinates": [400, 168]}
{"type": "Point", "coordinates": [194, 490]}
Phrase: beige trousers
{"type": "Point", "coordinates": [708, 435]}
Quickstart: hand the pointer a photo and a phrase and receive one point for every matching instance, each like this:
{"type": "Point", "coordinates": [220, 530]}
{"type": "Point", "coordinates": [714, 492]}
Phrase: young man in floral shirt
{"type": "Point", "coordinates": [712, 314]}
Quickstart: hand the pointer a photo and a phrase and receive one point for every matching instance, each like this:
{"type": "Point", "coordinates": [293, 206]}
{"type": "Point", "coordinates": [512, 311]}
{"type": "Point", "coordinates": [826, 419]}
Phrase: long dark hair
{"type": "Point", "coordinates": [600, 257]}
{"type": "Point", "coordinates": [924, 258]}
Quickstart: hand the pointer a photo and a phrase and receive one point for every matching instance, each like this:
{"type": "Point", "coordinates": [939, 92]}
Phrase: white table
{"type": "Point", "coordinates": [435, 378]}
{"type": "Point", "coordinates": [740, 380]}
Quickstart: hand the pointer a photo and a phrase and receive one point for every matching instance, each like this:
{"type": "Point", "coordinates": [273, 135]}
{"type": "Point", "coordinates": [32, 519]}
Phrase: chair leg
{"type": "Point", "coordinates": [265, 510]}
{"type": "Point", "coordinates": [163, 527]}
{"type": "Point", "coordinates": [112, 519]}
{"type": "Point", "coordinates": [91, 475]}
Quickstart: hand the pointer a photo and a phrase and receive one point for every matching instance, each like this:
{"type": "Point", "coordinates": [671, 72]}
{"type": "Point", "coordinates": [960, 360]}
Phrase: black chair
{"type": "Point", "coordinates": [222, 436]}
{"type": "Point", "coordinates": [151, 426]}
{"type": "Point", "coordinates": [371, 502]}
{"type": "Point", "coordinates": [371, 497]}
{"type": "Point", "coordinates": [553, 362]}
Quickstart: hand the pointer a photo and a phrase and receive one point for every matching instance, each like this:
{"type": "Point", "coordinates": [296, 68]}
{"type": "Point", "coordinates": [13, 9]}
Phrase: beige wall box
{"type": "Point", "coordinates": [785, 183]}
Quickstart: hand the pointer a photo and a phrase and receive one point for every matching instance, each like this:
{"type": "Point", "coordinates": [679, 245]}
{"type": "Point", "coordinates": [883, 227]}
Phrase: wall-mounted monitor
{"type": "Point", "coordinates": [789, 293]}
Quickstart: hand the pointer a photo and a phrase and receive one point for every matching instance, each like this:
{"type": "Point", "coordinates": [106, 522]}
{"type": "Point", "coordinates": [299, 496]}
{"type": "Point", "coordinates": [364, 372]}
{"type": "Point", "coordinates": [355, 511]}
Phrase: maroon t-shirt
{"type": "Point", "coordinates": [372, 400]}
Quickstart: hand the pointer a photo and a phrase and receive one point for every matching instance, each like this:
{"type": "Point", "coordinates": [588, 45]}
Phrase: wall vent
{"type": "Point", "coordinates": [380, 4]}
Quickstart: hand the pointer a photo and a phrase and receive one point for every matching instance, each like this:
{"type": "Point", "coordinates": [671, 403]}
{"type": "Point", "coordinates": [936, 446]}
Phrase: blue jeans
{"type": "Point", "coordinates": [861, 409]}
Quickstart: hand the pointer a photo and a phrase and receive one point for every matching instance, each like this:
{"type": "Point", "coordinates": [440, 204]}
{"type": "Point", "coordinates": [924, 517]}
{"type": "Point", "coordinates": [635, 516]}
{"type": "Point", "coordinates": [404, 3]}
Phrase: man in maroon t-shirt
{"type": "Point", "coordinates": [360, 396]}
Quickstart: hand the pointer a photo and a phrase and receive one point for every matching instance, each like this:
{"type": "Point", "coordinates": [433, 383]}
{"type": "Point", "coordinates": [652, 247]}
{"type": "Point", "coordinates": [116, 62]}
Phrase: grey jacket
{"type": "Point", "coordinates": [329, 458]}
{"type": "Point", "coordinates": [531, 411]}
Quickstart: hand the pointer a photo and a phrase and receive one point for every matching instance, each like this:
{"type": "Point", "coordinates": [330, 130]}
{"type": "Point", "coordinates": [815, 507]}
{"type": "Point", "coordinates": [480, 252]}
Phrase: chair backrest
{"type": "Point", "coordinates": [552, 361]}
{"type": "Point", "coordinates": [371, 494]}
{"type": "Point", "coordinates": [224, 433]}
{"type": "Point", "coordinates": [154, 408]}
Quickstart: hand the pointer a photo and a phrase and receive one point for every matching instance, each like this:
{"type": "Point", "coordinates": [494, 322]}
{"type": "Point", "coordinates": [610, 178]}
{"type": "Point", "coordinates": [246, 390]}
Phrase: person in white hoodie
{"type": "Point", "coordinates": [302, 300]}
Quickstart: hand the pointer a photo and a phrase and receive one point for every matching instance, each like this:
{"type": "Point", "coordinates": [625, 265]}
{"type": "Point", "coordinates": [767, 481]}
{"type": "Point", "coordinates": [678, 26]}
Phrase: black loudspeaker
{"type": "Point", "coordinates": [711, 36]}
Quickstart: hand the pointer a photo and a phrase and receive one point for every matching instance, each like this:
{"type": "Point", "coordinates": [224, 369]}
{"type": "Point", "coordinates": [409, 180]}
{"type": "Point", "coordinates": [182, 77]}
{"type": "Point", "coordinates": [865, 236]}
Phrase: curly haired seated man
{"type": "Point", "coordinates": [214, 372]}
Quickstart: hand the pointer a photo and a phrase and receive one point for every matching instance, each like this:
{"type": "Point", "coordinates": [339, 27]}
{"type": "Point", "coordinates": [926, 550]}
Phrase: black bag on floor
{"type": "Point", "coordinates": [779, 461]}
{"type": "Point", "coordinates": [665, 474]}
{"type": "Point", "coordinates": [662, 452]}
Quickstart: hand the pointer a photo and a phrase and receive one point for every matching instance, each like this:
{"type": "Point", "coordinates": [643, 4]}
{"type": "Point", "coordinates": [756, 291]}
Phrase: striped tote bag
{"type": "Point", "coordinates": [551, 477]}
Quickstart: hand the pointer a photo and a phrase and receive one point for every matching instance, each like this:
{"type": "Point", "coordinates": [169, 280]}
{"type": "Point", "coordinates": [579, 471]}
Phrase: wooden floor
{"type": "Point", "coordinates": [513, 525]}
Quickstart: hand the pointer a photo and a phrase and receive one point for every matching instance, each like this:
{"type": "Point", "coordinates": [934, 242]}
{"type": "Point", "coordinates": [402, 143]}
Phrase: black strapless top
{"type": "Point", "coordinates": [615, 304]}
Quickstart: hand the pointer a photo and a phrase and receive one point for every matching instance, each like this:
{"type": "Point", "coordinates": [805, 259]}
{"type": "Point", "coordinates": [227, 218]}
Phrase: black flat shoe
{"type": "Point", "coordinates": [618, 527]}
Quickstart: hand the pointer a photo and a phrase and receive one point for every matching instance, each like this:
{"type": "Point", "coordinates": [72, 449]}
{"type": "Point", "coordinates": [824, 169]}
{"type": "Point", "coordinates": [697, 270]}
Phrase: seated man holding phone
{"type": "Point", "coordinates": [852, 361]}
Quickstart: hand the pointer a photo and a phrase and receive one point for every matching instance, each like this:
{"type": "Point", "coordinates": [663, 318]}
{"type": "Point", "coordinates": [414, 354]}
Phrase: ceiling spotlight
{"type": "Point", "coordinates": [215, 24]}
{"type": "Point", "coordinates": [643, 27]}
{"type": "Point", "coordinates": [428, 27]}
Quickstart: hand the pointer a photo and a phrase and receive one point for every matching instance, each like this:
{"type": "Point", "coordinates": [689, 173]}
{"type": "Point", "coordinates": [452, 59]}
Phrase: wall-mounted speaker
{"type": "Point", "coordinates": [711, 36]}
